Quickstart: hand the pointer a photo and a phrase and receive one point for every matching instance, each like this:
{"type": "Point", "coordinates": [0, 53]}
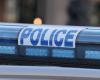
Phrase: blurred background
{"type": "Point", "coordinates": [59, 12]}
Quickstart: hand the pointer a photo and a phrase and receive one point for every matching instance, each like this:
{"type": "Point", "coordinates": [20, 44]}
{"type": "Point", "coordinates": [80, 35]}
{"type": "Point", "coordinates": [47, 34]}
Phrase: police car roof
{"type": "Point", "coordinates": [88, 35]}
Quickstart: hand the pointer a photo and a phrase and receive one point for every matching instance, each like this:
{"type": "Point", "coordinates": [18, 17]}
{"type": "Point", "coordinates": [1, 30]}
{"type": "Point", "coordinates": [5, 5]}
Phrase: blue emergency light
{"type": "Point", "coordinates": [28, 44]}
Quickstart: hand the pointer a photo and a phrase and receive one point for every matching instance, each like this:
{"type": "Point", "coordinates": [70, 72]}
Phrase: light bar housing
{"type": "Point", "coordinates": [86, 53]}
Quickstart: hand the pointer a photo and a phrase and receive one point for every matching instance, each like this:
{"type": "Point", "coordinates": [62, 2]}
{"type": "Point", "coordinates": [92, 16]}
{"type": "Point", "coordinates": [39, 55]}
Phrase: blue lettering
{"type": "Point", "coordinates": [51, 37]}
{"type": "Point", "coordinates": [59, 43]}
{"type": "Point", "coordinates": [35, 42]}
{"type": "Point", "coordinates": [25, 34]}
{"type": "Point", "coordinates": [44, 42]}
{"type": "Point", "coordinates": [70, 35]}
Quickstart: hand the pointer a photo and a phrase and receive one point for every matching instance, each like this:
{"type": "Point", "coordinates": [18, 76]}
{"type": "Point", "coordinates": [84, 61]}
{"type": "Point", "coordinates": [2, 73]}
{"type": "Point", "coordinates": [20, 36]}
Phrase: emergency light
{"type": "Point", "coordinates": [28, 44]}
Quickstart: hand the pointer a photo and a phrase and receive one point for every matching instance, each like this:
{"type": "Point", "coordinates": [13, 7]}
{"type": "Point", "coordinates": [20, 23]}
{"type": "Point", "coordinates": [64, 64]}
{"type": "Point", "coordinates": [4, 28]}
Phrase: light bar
{"type": "Point", "coordinates": [51, 45]}
{"type": "Point", "coordinates": [90, 54]}
{"type": "Point", "coordinates": [7, 49]}
{"type": "Point", "coordinates": [62, 53]}
{"type": "Point", "coordinates": [37, 52]}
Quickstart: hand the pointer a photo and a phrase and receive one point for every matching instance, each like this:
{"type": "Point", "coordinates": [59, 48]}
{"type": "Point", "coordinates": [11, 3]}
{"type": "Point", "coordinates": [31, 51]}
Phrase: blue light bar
{"type": "Point", "coordinates": [8, 34]}
{"type": "Point", "coordinates": [42, 52]}
{"type": "Point", "coordinates": [7, 50]}
{"type": "Point", "coordinates": [9, 31]}
{"type": "Point", "coordinates": [91, 54]}
{"type": "Point", "coordinates": [61, 53]}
